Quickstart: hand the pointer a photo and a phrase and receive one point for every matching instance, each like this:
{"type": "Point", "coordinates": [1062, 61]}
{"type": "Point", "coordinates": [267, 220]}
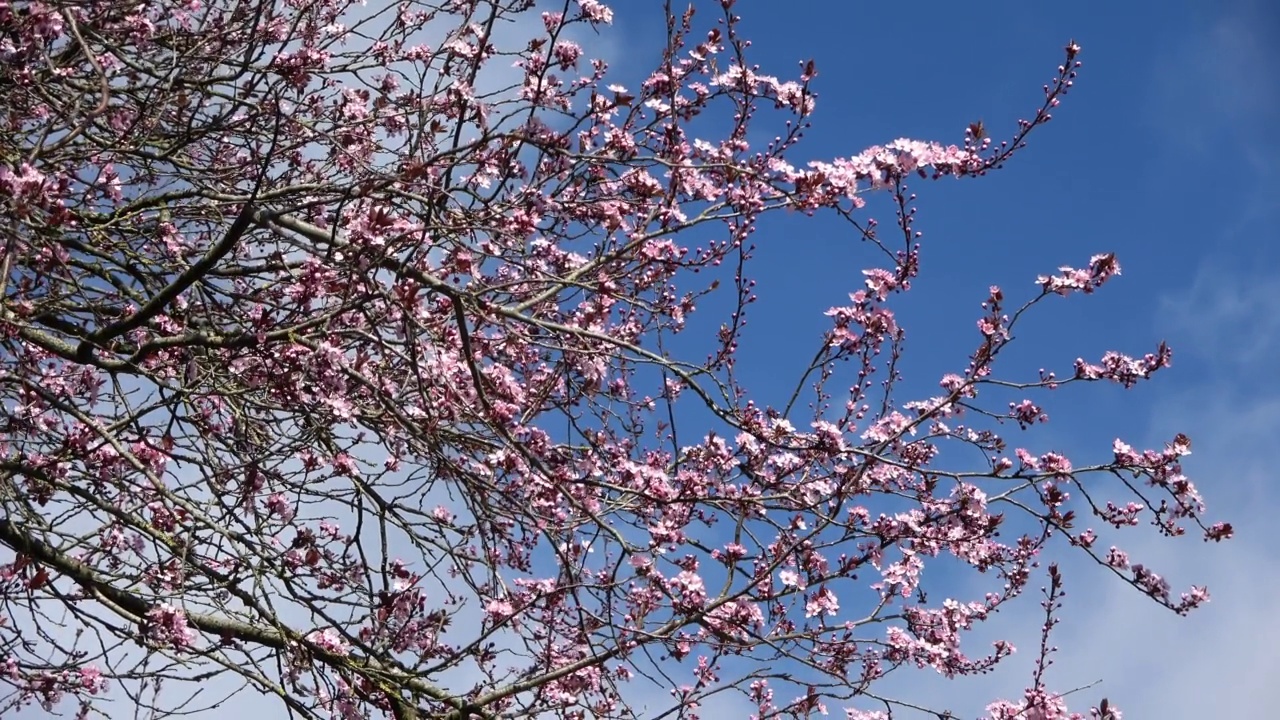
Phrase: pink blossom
{"type": "Point", "coordinates": [790, 578]}
{"type": "Point", "coordinates": [277, 504]}
{"type": "Point", "coordinates": [167, 626]}
{"type": "Point", "coordinates": [596, 11]}
{"type": "Point", "coordinates": [330, 641]}
{"type": "Point", "coordinates": [438, 278]}
{"type": "Point", "coordinates": [822, 602]}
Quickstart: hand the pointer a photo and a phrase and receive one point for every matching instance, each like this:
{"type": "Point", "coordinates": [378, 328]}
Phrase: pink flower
{"type": "Point", "coordinates": [596, 11]}
{"type": "Point", "coordinates": [791, 578]}
{"type": "Point", "coordinates": [345, 464]}
{"type": "Point", "coordinates": [823, 601]}
{"type": "Point", "coordinates": [91, 679]}
{"type": "Point", "coordinates": [167, 625]}
{"type": "Point", "coordinates": [329, 640]}
{"type": "Point", "coordinates": [278, 505]}
{"type": "Point", "coordinates": [498, 610]}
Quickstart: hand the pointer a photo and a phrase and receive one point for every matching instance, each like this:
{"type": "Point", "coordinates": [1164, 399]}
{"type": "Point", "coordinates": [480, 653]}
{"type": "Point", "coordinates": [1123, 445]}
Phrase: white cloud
{"type": "Point", "coordinates": [1227, 317]}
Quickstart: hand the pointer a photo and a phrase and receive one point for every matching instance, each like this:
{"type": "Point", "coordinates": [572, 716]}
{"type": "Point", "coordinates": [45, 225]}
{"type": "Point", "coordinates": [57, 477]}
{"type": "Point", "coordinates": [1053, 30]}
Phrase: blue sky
{"type": "Point", "coordinates": [1163, 154]}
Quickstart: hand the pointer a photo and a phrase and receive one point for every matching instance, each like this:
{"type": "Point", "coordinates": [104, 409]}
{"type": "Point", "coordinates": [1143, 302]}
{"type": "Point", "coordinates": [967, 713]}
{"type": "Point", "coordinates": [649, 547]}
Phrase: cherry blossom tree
{"type": "Point", "coordinates": [358, 359]}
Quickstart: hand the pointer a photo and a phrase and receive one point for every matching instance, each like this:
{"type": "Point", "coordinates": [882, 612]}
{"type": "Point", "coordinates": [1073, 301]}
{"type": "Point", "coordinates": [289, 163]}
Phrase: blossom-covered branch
{"type": "Point", "coordinates": [349, 364]}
